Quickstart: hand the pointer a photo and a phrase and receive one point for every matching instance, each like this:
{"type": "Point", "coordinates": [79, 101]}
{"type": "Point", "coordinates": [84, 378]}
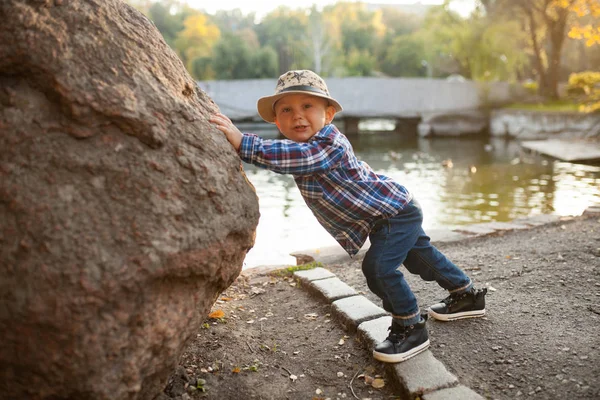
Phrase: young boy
{"type": "Point", "coordinates": [352, 203]}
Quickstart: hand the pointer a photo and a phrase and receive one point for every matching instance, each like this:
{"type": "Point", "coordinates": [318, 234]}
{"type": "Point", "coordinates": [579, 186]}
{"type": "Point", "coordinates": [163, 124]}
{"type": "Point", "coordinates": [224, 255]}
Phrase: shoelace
{"type": "Point", "coordinates": [399, 333]}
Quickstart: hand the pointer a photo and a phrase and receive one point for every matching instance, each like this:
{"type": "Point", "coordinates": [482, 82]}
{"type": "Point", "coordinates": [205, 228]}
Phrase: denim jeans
{"type": "Point", "coordinates": [401, 240]}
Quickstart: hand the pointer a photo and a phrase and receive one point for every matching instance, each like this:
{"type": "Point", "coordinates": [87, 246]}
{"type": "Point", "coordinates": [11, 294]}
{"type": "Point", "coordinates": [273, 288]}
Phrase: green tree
{"type": "Point", "coordinates": [196, 40]}
{"type": "Point", "coordinates": [478, 47]}
{"type": "Point", "coordinates": [264, 63]}
{"type": "Point", "coordinates": [360, 63]}
{"type": "Point", "coordinates": [404, 57]}
{"type": "Point", "coordinates": [233, 58]}
{"type": "Point", "coordinates": [285, 31]}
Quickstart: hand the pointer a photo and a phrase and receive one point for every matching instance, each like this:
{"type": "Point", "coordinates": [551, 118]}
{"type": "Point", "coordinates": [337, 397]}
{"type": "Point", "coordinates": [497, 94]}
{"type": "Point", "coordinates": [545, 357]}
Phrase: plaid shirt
{"type": "Point", "coordinates": [345, 194]}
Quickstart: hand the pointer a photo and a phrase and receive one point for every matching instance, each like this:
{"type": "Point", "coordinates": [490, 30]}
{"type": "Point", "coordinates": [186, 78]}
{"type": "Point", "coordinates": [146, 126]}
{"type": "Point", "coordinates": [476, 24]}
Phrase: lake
{"type": "Point", "coordinates": [458, 181]}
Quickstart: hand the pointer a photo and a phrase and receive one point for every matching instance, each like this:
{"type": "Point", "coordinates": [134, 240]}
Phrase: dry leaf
{"type": "Point", "coordinates": [217, 314]}
{"type": "Point", "coordinates": [378, 383]}
{"type": "Point", "coordinates": [236, 370]}
{"type": "Point", "coordinates": [226, 298]}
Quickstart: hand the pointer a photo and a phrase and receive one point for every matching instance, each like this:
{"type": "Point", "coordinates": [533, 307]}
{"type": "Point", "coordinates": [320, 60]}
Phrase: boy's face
{"type": "Point", "coordinates": [300, 116]}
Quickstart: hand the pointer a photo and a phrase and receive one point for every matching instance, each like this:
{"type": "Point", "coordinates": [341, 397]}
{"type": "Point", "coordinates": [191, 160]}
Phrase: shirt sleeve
{"type": "Point", "coordinates": [289, 157]}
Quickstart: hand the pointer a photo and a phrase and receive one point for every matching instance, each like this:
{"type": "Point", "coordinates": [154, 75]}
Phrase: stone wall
{"type": "Point", "coordinates": [533, 125]}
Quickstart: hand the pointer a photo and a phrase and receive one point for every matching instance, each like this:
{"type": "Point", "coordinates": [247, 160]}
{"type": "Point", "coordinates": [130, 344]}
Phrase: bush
{"type": "Point", "coordinates": [585, 88]}
{"type": "Point", "coordinates": [530, 86]}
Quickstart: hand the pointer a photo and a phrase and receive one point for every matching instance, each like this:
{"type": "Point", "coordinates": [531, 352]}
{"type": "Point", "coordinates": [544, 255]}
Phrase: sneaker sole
{"type": "Point", "coordinates": [396, 358]}
{"type": "Point", "coordinates": [454, 317]}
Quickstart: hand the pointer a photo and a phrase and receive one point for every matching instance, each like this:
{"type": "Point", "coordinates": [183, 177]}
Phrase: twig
{"type": "Point", "coordinates": [286, 370]}
{"type": "Point", "coordinates": [250, 347]}
{"type": "Point", "coordinates": [351, 381]}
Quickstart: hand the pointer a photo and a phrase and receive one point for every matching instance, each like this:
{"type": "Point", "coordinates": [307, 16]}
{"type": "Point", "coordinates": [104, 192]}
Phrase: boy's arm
{"type": "Point", "coordinates": [289, 157]}
{"type": "Point", "coordinates": [224, 124]}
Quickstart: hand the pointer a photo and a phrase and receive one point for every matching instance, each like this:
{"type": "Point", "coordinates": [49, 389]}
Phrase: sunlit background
{"type": "Point", "coordinates": [547, 50]}
{"type": "Point", "coordinates": [458, 182]}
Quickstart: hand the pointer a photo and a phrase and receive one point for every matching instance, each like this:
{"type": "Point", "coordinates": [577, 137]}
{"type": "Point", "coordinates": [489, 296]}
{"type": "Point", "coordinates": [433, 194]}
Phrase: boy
{"type": "Point", "coordinates": [352, 203]}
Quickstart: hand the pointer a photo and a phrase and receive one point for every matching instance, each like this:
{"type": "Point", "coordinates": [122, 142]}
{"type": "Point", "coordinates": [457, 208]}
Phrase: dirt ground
{"type": "Point", "coordinates": [539, 339]}
{"type": "Point", "coordinates": [274, 341]}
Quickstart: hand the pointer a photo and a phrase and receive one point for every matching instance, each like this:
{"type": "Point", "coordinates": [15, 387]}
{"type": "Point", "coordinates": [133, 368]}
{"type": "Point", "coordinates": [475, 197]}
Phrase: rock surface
{"type": "Point", "coordinates": [123, 213]}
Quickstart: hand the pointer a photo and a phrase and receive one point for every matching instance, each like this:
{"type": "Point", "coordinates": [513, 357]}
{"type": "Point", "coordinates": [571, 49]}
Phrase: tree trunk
{"type": "Point", "coordinates": [557, 31]}
{"type": "Point", "coordinates": [123, 213]}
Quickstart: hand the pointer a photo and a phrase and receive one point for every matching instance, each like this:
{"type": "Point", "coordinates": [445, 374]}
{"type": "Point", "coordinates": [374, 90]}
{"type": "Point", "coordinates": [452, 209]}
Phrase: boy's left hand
{"type": "Point", "coordinates": [224, 124]}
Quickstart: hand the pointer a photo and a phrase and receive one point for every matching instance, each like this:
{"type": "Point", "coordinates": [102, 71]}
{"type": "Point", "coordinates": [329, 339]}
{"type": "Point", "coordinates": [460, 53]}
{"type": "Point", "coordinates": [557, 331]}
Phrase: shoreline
{"type": "Point", "coordinates": [335, 254]}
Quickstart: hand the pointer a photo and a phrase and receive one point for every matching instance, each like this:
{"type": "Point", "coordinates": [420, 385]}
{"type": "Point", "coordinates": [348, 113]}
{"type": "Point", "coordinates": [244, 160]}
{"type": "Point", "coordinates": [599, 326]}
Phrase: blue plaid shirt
{"type": "Point", "coordinates": [345, 194]}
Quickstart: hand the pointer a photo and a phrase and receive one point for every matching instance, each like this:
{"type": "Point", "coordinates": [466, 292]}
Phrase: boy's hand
{"type": "Point", "coordinates": [224, 124]}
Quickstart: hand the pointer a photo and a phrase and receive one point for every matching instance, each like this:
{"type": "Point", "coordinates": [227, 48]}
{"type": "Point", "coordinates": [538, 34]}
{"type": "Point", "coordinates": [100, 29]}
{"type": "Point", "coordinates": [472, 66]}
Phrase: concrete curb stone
{"type": "Point", "coordinates": [332, 289]}
{"type": "Point", "coordinates": [314, 274]}
{"type": "Point", "coordinates": [352, 311]}
{"type": "Point", "coordinates": [459, 392]}
{"type": "Point", "coordinates": [424, 373]}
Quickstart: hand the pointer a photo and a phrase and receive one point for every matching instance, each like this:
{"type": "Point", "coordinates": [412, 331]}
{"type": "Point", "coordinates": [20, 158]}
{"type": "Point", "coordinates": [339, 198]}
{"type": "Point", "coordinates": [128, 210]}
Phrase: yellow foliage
{"type": "Point", "coordinates": [197, 39]}
{"type": "Point", "coordinates": [585, 86]}
{"type": "Point", "coordinates": [582, 8]}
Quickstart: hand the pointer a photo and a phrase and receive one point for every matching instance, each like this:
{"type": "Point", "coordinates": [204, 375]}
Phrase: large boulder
{"type": "Point", "coordinates": [123, 213]}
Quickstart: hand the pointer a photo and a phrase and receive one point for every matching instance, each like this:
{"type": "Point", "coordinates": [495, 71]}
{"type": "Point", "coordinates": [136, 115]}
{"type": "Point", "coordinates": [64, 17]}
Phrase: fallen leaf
{"type": "Point", "coordinates": [217, 314]}
{"type": "Point", "coordinates": [378, 383]}
{"type": "Point", "coordinates": [256, 290]}
{"type": "Point", "coordinates": [226, 298]}
{"type": "Point", "coordinates": [236, 370]}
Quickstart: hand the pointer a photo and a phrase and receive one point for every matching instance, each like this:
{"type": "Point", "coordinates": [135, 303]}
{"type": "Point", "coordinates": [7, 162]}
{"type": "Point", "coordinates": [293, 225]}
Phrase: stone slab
{"type": "Point", "coordinates": [423, 373]}
{"type": "Point", "coordinates": [315, 274]}
{"type": "Point", "coordinates": [538, 220]}
{"type": "Point", "coordinates": [475, 229]}
{"type": "Point", "coordinates": [446, 235]}
{"type": "Point", "coordinates": [352, 311]}
{"type": "Point", "coordinates": [591, 211]}
{"type": "Point", "coordinates": [505, 226]}
{"type": "Point", "coordinates": [565, 150]}
{"type": "Point", "coordinates": [374, 331]}
{"type": "Point", "coordinates": [456, 393]}
{"type": "Point", "coordinates": [332, 289]}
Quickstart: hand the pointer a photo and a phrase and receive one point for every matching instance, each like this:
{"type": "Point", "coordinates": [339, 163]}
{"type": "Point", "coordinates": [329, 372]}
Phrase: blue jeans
{"type": "Point", "coordinates": [401, 240]}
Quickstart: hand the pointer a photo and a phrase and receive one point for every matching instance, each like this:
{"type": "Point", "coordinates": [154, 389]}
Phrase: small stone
{"type": "Point", "coordinates": [511, 386]}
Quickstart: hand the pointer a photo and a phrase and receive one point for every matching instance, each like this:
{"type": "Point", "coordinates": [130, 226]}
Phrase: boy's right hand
{"type": "Point", "coordinates": [224, 124]}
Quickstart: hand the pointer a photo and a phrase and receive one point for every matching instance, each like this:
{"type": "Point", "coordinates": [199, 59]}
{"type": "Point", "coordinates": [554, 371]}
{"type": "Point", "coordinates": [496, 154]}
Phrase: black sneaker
{"type": "Point", "coordinates": [403, 342]}
{"type": "Point", "coordinates": [470, 304]}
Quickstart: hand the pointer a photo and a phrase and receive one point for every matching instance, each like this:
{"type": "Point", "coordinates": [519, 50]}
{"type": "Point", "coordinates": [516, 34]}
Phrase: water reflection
{"type": "Point", "coordinates": [457, 181]}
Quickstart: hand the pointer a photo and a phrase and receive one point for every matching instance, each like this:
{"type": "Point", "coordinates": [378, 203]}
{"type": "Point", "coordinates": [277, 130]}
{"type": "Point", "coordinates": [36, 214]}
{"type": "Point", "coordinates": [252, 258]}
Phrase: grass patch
{"type": "Point", "coordinates": [290, 270]}
{"type": "Point", "coordinates": [550, 106]}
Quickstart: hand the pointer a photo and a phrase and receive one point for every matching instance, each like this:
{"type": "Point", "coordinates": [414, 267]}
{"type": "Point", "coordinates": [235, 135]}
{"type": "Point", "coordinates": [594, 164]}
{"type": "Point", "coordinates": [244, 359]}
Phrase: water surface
{"type": "Point", "coordinates": [457, 181]}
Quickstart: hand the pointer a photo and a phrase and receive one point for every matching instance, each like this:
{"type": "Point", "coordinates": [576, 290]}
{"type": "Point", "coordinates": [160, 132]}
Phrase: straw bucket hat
{"type": "Point", "coordinates": [302, 82]}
